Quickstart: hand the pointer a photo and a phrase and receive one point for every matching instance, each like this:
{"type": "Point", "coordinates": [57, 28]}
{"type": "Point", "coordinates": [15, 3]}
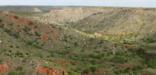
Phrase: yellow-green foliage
{"type": "Point", "coordinates": [131, 37]}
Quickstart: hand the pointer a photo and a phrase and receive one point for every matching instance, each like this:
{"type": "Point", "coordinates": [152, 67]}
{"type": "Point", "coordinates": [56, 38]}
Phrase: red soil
{"type": "Point", "coordinates": [4, 68]}
{"type": "Point", "coordinates": [45, 37]}
{"type": "Point", "coordinates": [45, 70]}
{"type": "Point", "coordinates": [49, 33]}
{"type": "Point", "coordinates": [19, 20]}
{"type": "Point", "coordinates": [55, 33]}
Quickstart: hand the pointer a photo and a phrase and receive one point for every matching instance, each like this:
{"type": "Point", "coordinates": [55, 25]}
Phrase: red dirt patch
{"type": "Point", "coordinates": [50, 70]}
{"type": "Point", "coordinates": [54, 31]}
{"type": "Point", "coordinates": [25, 21]}
{"type": "Point", "coordinates": [48, 33]}
{"type": "Point", "coordinates": [19, 20]}
{"type": "Point", "coordinates": [45, 37]}
{"type": "Point", "coordinates": [4, 68]}
{"type": "Point", "coordinates": [45, 70]}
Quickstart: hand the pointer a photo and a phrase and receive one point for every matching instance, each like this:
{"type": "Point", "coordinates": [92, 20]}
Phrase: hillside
{"type": "Point", "coordinates": [25, 40]}
{"type": "Point", "coordinates": [79, 41]}
{"type": "Point", "coordinates": [67, 15]}
{"type": "Point", "coordinates": [103, 21]}
{"type": "Point", "coordinates": [121, 20]}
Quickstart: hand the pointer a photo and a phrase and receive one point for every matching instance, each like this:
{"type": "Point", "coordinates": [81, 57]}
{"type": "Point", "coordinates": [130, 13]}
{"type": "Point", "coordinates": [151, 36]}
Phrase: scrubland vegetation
{"type": "Point", "coordinates": [103, 41]}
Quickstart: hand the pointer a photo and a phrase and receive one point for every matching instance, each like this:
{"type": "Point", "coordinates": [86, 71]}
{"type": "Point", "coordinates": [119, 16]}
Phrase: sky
{"type": "Point", "coordinates": [119, 3]}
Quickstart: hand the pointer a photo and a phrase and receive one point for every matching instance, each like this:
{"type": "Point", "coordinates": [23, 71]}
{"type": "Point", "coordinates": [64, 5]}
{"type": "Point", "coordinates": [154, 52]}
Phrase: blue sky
{"type": "Point", "coordinates": [125, 3]}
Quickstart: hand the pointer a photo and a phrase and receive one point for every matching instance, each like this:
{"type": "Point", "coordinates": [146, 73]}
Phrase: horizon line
{"type": "Point", "coordinates": [79, 6]}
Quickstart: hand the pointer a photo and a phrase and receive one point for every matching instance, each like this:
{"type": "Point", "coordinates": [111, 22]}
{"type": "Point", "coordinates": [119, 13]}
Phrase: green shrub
{"type": "Point", "coordinates": [13, 73]}
{"type": "Point", "coordinates": [19, 54]}
{"type": "Point", "coordinates": [151, 63]}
